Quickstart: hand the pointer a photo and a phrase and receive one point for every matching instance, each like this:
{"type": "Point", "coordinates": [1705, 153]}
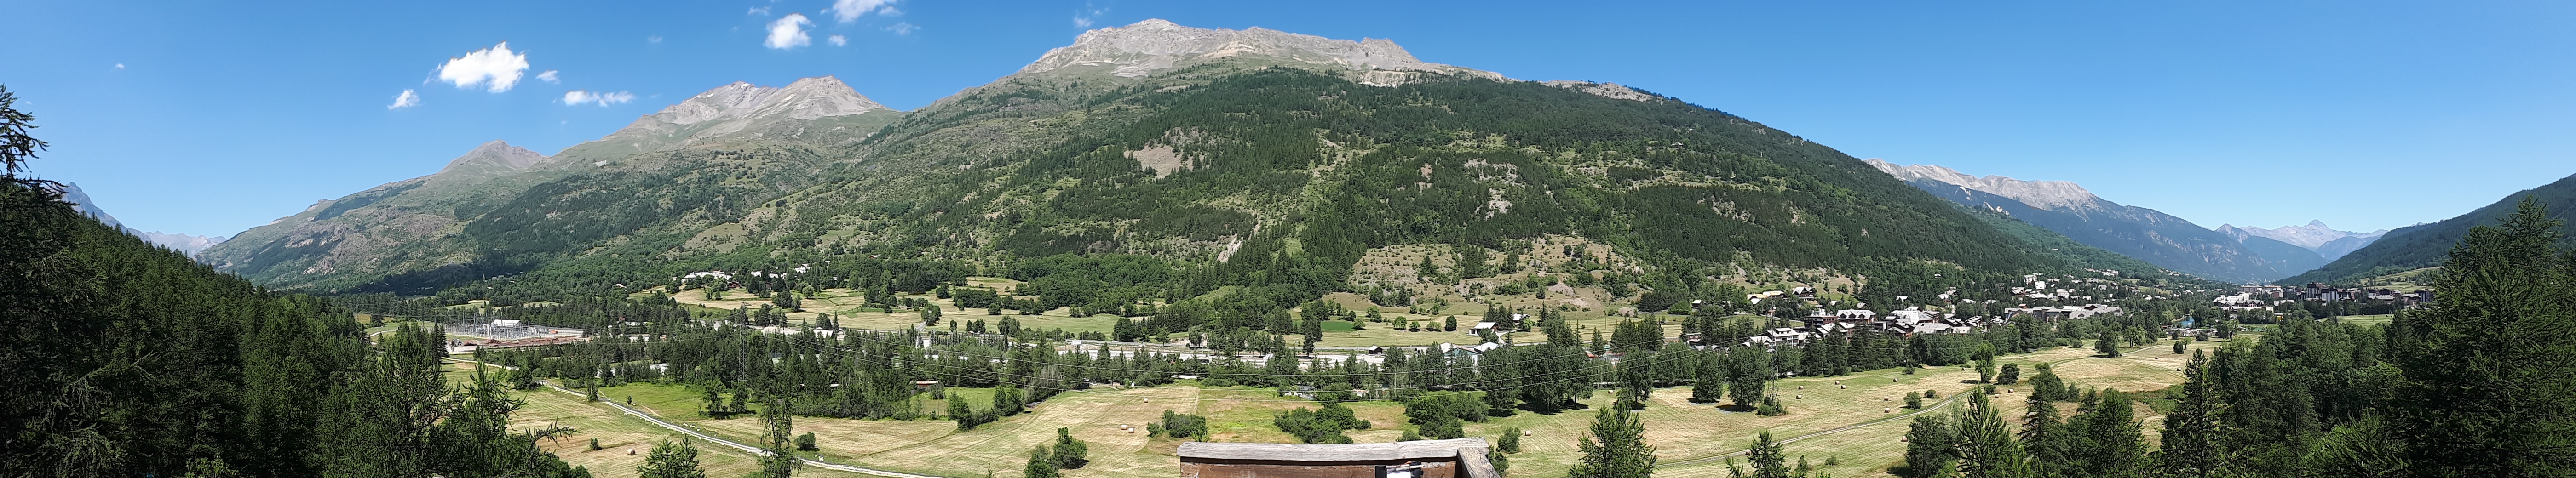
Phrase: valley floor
{"type": "Point", "coordinates": [1826, 420]}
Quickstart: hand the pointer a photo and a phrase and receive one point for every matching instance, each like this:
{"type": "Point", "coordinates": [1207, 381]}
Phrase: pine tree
{"type": "Point", "coordinates": [1616, 449]}
{"type": "Point", "coordinates": [1986, 447]}
{"type": "Point", "coordinates": [671, 460]}
{"type": "Point", "coordinates": [2489, 368]}
{"type": "Point", "coordinates": [1749, 372]}
{"type": "Point", "coordinates": [2190, 433]}
{"type": "Point", "coordinates": [1930, 447]}
{"type": "Point", "coordinates": [781, 462]}
{"type": "Point", "coordinates": [1041, 464]}
{"type": "Point", "coordinates": [1708, 384]}
{"type": "Point", "coordinates": [1070, 453]}
{"type": "Point", "coordinates": [1767, 459]}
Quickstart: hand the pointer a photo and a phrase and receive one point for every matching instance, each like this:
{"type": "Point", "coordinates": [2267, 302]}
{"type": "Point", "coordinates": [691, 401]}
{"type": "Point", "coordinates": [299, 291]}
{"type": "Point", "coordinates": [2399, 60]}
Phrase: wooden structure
{"type": "Point", "coordinates": [1458, 458]}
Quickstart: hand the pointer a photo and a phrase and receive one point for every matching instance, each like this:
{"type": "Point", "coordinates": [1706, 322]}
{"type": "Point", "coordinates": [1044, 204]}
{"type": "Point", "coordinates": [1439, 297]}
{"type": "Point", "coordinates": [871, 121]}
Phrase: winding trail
{"type": "Point", "coordinates": [755, 451]}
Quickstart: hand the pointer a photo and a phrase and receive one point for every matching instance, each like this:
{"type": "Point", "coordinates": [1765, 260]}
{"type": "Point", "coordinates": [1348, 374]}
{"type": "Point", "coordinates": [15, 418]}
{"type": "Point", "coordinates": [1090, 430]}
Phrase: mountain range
{"type": "Point", "coordinates": [185, 244]}
{"type": "Point", "coordinates": [1253, 160]}
{"type": "Point", "coordinates": [2229, 254]}
{"type": "Point", "coordinates": [2315, 236]}
{"type": "Point", "coordinates": [2424, 245]}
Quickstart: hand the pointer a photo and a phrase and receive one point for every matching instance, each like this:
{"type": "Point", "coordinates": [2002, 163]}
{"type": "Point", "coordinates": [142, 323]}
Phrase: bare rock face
{"type": "Point", "coordinates": [2314, 235]}
{"type": "Point", "coordinates": [740, 107]}
{"type": "Point", "coordinates": [805, 99]}
{"type": "Point", "coordinates": [2054, 195]}
{"type": "Point", "coordinates": [1155, 45]}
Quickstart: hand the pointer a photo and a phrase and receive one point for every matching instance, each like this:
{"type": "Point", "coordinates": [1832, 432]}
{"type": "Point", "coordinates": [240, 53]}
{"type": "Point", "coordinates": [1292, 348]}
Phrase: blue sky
{"type": "Point", "coordinates": [209, 119]}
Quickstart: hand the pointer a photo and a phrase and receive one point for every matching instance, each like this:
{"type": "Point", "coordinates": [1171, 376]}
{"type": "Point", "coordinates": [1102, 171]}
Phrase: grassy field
{"type": "Point", "coordinates": [2380, 319]}
{"type": "Point", "coordinates": [1690, 439]}
{"type": "Point", "coordinates": [844, 304]}
{"type": "Point", "coordinates": [618, 433]}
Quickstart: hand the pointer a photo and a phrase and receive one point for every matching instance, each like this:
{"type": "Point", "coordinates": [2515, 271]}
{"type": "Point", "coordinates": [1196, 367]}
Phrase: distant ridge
{"type": "Point", "coordinates": [2314, 236]}
{"type": "Point", "coordinates": [2066, 208]}
{"type": "Point", "coordinates": [184, 243]}
{"type": "Point", "coordinates": [2421, 246]}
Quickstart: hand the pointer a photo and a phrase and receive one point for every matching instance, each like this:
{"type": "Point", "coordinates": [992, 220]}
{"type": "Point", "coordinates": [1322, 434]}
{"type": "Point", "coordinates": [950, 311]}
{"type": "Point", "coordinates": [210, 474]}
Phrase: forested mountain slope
{"type": "Point", "coordinates": [2420, 246]}
{"type": "Point", "coordinates": [126, 359]}
{"type": "Point", "coordinates": [1252, 158]}
{"type": "Point", "coordinates": [2145, 234]}
{"type": "Point", "coordinates": [670, 169]}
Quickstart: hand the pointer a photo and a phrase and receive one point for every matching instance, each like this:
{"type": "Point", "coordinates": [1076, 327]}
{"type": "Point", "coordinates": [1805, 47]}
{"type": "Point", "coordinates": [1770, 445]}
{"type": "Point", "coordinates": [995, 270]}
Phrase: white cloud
{"type": "Point", "coordinates": [1082, 18]}
{"type": "Point", "coordinates": [758, 11]}
{"type": "Point", "coordinates": [549, 76]}
{"type": "Point", "coordinates": [789, 32]}
{"type": "Point", "coordinates": [120, 66]}
{"type": "Point", "coordinates": [405, 100]}
{"type": "Point", "coordinates": [495, 67]}
{"type": "Point", "coordinates": [903, 28]}
{"type": "Point", "coordinates": [579, 97]}
{"type": "Point", "coordinates": [838, 40]}
{"type": "Point", "coordinates": [850, 10]}
{"type": "Point", "coordinates": [653, 39]}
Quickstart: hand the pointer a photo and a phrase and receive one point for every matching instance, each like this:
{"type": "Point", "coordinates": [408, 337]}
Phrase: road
{"type": "Point", "coordinates": [757, 451]}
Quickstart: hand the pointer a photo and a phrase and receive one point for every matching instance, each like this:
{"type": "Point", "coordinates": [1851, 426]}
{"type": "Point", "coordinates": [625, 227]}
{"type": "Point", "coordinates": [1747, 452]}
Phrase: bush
{"type": "Point", "coordinates": [1510, 441]}
{"type": "Point", "coordinates": [1182, 425]}
{"type": "Point", "coordinates": [806, 442]}
{"type": "Point", "coordinates": [1320, 426]}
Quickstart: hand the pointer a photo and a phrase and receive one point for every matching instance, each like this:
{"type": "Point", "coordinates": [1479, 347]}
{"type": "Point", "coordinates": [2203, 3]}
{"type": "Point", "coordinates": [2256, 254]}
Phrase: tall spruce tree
{"type": "Point", "coordinates": [2191, 431]}
{"type": "Point", "coordinates": [1986, 447]}
{"type": "Point", "coordinates": [2489, 368]}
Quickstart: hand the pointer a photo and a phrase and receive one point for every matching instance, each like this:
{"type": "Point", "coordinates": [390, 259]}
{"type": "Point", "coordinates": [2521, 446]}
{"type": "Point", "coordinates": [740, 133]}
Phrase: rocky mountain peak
{"type": "Point", "coordinates": [495, 156]}
{"type": "Point", "coordinates": [2056, 195]}
{"type": "Point", "coordinates": [739, 108]}
{"type": "Point", "coordinates": [1153, 45]}
{"type": "Point", "coordinates": [2314, 235]}
{"type": "Point", "coordinates": [805, 99]}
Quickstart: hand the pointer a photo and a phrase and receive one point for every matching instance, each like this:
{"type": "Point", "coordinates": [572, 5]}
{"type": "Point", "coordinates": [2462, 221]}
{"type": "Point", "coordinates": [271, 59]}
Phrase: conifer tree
{"type": "Point", "coordinates": [1930, 447]}
{"type": "Point", "coordinates": [1616, 448]}
{"type": "Point", "coordinates": [671, 460]}
{"type": "Point", "coordinates": [1708, 384]}
{"type": "Point", "coordinates": [2489, 368]}
{"type": "Point", "coordinates": [1767, 459]}
{"type": "Point", "coordinates": [1070, 453]}
{"type": "Point", "coordinates": [2190, 432]}
{"type": "Point", "coordinates": [1986, 447]}
{"type": "Point", "coordinates": [781, 462]}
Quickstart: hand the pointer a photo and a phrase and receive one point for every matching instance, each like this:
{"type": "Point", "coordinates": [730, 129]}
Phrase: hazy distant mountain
{"type": "Point", "coordinates": [2315, 236]}
{"type": "Point", "coordinates": [2141, 233]}
{"type": "Point", "coordinates": [2424, 245]}
{"type": "Point", "coordinates": [2282, 256]}
{"type": "Point", "coordinates": [184, 243]}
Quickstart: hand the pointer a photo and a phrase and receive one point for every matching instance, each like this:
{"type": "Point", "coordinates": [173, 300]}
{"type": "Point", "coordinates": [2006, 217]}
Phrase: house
{"type": "Point", "coordinates": [1456, 458]}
